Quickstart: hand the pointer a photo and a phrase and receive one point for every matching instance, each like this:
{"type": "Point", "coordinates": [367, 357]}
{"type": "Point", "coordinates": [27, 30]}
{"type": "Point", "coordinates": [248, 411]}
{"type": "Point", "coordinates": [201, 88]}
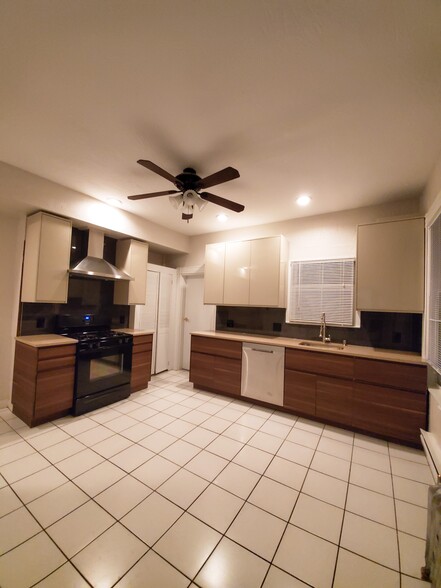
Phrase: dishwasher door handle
{"type": "Point", "coordinates": [262, 350]}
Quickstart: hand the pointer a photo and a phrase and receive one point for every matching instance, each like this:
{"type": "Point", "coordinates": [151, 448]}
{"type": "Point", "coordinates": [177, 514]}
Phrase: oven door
{"type": "Point", "coordinates": [103, 369]}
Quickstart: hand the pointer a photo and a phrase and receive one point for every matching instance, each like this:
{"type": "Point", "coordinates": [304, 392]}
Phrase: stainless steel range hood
{"type": "Point", "coordinates": [94, 266]}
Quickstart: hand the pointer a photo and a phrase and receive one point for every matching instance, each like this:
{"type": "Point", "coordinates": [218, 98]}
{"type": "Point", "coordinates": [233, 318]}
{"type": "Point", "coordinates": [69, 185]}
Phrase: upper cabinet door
{"type": "Point", "coordinates": [237, 273]}
{"type": "Point", "coordinates": [267, 271]}
{"type": "Point", "coordinates": [390, 266]}
{"type": "Point", "coordinates": [214, 273]}
{"type": "Point", "coordinates": [46, 259]}
{"type": "Point", "coordinates": [132, 257]}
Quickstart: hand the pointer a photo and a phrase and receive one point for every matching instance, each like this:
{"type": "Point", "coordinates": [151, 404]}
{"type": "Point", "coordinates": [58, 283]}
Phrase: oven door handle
{"type": "Point", "coordinates": [103, 351]}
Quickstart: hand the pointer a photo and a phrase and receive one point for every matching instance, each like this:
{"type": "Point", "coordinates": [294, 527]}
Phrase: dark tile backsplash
{"type": "Point", "coordinates": [385, 330]}
{"type": "Point", "coordinates": [85, 296]}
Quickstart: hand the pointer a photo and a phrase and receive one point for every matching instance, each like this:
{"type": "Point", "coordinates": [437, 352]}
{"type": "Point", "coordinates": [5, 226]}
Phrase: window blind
{"type": "Point", "coordinates": [434, 326]}
{"type": "Point", "coordinates": [322, 286]}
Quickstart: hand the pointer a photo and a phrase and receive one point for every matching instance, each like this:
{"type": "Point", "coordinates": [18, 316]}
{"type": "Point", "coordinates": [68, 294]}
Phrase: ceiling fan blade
{"type": "Point", "coordinates": [158, 170]}
{"type": "Point", "coordinates": [152, 195]}
{"type": "Point", "coordinates": [222, 202]}
{"type": "Point", "coordinates": [220, 177]}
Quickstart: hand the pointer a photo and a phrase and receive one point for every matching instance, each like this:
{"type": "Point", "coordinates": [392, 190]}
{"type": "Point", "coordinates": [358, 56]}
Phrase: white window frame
{"type": "Point", "coordinates": [326, 294]}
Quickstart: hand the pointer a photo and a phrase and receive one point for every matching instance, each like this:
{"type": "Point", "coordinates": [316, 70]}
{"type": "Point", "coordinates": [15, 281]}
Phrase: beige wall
{"type": "Point", "coordinates": [324, 236]}
{"type": "Point", "coordinates": [11, 248]}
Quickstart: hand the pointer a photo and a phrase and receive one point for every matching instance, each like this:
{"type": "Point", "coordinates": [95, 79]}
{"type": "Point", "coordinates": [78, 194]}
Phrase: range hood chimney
{"type": "Point", "coordinates": [94, 266]}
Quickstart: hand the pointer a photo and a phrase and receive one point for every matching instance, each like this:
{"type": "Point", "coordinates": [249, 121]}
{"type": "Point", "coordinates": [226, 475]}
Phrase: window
{"type": "Point", "coordinates": [434, 324]}
{"type": "Point", "coordinates": [321, 286]}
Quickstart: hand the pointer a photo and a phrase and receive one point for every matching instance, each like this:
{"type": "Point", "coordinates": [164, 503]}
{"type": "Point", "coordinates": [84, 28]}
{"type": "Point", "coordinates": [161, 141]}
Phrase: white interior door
{"type": "Point", "coordinates": [197, 315]}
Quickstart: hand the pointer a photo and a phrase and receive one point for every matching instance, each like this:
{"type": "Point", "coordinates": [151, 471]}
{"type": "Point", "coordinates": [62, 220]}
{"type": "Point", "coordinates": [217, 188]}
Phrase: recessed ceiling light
{"type": "Point", "coordinates": [222, 218]}
{"type": "Point", "coordinates": [303, 200]}
{"type": "Point", "coordinates": [113, 201]}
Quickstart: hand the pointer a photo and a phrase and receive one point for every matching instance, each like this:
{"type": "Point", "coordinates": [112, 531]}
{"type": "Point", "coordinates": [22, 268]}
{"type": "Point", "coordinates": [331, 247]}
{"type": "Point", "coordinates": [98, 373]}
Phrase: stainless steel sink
{"type": "Point", "coordinates": [321, 345]}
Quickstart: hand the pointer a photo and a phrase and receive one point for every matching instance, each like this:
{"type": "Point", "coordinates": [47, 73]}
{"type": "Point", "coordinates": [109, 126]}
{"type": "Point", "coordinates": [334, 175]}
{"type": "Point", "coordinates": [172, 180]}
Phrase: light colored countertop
{"type": "Point", "coordinates": [135, 332]}
{"type": "Point", "coordinates": [351, 350]}
{"type": "Point", "coordinates": [45, 340]}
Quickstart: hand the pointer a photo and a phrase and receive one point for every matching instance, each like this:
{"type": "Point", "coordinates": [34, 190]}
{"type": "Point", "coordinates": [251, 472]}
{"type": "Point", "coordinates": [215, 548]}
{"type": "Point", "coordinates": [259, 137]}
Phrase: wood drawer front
{"type": "Point", "coordinates": [56, 363]}
{"type": "Point", "coordinates": [201, 369]}
{"type": "Point", "coordinates": [300, 392]}
{"type": "Point", "coordinates": [327, 364]}
{"type": "Point", "coordinates": [334, 400]}
{"type": "Point", "coordinates": [142, 340]}
{"type": "Point", "coordinates": [221, 347]}
{"type": "Point", "coordinates": [396, 399]}
{"type": "Point", "coordinates": [387, 373]}
{"type": "Point", "coordinates": [54, 392]}
{"type": "Point", "coordinates": [58, 351]}
{"type": "Point", "coordinates": [227, 375]}
{"type": "Point", "coordinates": [388, 421]}
{"type": "Point", "coordinates": [144, 348]}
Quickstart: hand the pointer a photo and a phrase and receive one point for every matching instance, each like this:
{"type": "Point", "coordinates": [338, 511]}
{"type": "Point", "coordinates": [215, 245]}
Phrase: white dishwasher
{"type": "Point", "coordinates": [262, 372]}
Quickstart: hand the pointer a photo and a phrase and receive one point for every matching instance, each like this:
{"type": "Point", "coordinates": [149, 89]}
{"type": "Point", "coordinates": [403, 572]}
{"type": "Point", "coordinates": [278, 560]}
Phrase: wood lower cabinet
{"type": "Point", "coordinates": [216, 364]}
{"type": "Point", "coordinates": [300, 392]}
{"type": "Point", "coordinates": [141, 362]}
{"type": "Point", "coordinates": [43, 382]}
{"type": "Point", "coordinates": [334, 400]}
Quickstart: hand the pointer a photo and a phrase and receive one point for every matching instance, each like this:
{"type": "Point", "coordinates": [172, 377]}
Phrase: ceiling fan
{"type": "Point", "coordinates": [189, 186]}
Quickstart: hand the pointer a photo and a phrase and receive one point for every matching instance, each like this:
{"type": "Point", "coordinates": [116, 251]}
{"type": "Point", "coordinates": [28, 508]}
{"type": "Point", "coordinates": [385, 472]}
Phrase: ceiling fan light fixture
{"type": "Point", "coordinates": [303, 200]}
{"type": "Point", "coordinates": [176, 201]}
{"type": "Point", "coordinates": [222, 217]}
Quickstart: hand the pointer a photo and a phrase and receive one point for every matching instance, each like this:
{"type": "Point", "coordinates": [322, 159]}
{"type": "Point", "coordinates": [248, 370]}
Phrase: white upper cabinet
{"type": "Point", "coordinates": [237, 273]}
{"type": "Point", "coordinates": [246, 273]}
{"type": "Point", "coordinates": [214, 273]}
{"type": "Point", "coordinates": [131, 257]}
{"type": "Point", "coordinates": [46, 258]}
{"type": "Point", "coordinates": [390, 266]}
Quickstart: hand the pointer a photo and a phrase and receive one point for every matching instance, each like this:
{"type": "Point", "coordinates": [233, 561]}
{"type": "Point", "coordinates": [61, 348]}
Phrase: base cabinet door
{"type": "Point", "coordinates": [141, 362]}
{"type": "Point", "coordinates": [201, 369]}
{"type": "Point", "coordinates": [227, 375]}
{"type": "Point", "coordinates": [334, 400]}
{"type": "Point", "coordinates": [300, 392]}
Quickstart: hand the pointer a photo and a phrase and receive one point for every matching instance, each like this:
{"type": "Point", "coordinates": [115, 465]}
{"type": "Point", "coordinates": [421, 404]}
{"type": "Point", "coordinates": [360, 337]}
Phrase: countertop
{"type": "Point", "coordinates": [351, 350]}
{"type": "Point", "coordinates": [45, 340]}
{"type": "Point", "coordinates": [135, 332]}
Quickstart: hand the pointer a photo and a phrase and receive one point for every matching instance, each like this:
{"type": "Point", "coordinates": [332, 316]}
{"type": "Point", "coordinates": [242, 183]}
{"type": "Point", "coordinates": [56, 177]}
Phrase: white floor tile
{"type": "Point", "coordinates": [207, 465]}
{"type": "Point", "coordinates": [330, 465]}
{"type": "Point", "coordinates": [371, 479]}
{"type": "Point", "coordinates": [410, 491]}
{"type": "Point", "coordinates": [338, 434]}
{"type": "Point", "coordinates": [411, 470]}
{"type": "Point", "coordinates": [355, 571]}
{"type": "Point", "coordinates": [56, 504]}
{"type": "Point", "coordinates": [310, 426]}
{"type": "Point", "coordinates": [251, 421]}
{"type": "Point", "coordinates": [178, 428]}
{"type": "Point", "coordinates": [15, 451]}
{"type": "Point", "coordinates": [411, 519]}
{"type": "Point", "coordinates": [47, 439]}
{"type": "Point", "coordinates": [335, 448]}
{"type": "Point", "coordinates": [318, 517]}
{"type": "Point", "coordinates": [195, 417]}
{"type": "Point", "coordinates": [8, 501]}
{"type": "Point", "coordinates": [25, 466]}
{"type": "Point", "coordinates": [409, 453]}
{"type": "Point", "coordinates": [108, 557]}
{"type": "Point", "coordinates": [296, 453]}
{"type": "Point", "coordinates": [66, 576]}
{"type": "Point", "coordinates": [15, 528]}
{"type": "Point", "coordinates": [371, 505]}
{"type": "Point", "coordinates": [257, 530]}
{"type": "Point", "coordinates": [216, 424]}
{"type": "Point", "coordinates": [371, 459]}
{"type": "Point", "coordinates": [138, 432]}
{"type": "Point", "coordinates": [40, 483]}
{"type": "Point", "coordinates": [264, 441]}
{"type": "Point", "coordinates": [286, 472]}
{"type": "Point", "coordinates": [238, 480]}
{"type": "Point", "coordinates": [152, 518]}
{"type": "Point", "coordinates": [183, 488]}
{"type": "Point", "coordinates": [303, 437]}
{"type": "Point", "coordinates": [121, 423]}
{"type": "Point", "coordinates": [132, 457]}
{"type": "Point", "coordinates": [154, 570]}
{"type": "Point", "coordinates": [180, 452]}
{"type": "Point", "coordinates": [216, 507]}
{"type": "Point", "coordinates": [157, 441]}
{"type": "Point", "coordinates": [371, 443]}
{"type": "Point", "coordinates": [77, 529]}
{"type": "Point", "coordinates": [277, 499]}
{"type": "Point", "coordinates": [279, 430]}
{"type": "Point", "coordinates": [143, 413]}
{"type": "Point", "coordinates": [79, 463]}
{"type": "Point", "coordinates": [188, 544]}
{"type": "Point", "coordinates": [159, 420]}
{"type": "Point", "coordinates": [155, 472]}
{"type": "Point", "coordinates": [298, 554]}
{"type": "Point", "coordinates": [408, 582]}
{"type": "Point", "coordinates": [412, 554]}
{"type": "Point", "coordinates": [99, 478]}
{"type": "Point", "coordinates": [41, 556]}
{"type": "Point", "coordinates": [253, 459]}
{"type": "Point", "coordinates": [225, 447]}
{"type": "Point", "coordinates": [62, 450]}
{"type": "Point", "coordinates": [371, 540]}
{"type": "Point", "coordinates": [95, 435]}
{"type": "Point", "coordinates": [231, 566]}
{"type": "Point", "coordinates": [200, 437]}
{"type": "Point", "coordinates": [239, 433]}
{"type": "Point", "coordinates": [325, 488]}
{"type": "Point", "coordinates": [278, 579]}
{"type": "Point", "coordinates": [120, 498]}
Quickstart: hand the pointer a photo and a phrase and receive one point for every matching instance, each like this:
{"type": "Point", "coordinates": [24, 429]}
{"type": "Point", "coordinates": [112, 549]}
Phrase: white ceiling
{"type": "Point", "coordinates": [338, 98]}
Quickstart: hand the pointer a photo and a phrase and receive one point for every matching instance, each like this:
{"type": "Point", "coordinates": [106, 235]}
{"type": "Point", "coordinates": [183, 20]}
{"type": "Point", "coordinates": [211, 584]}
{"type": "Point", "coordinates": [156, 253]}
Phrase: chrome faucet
{"type": "Point", "coordinates": [325, 338]}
